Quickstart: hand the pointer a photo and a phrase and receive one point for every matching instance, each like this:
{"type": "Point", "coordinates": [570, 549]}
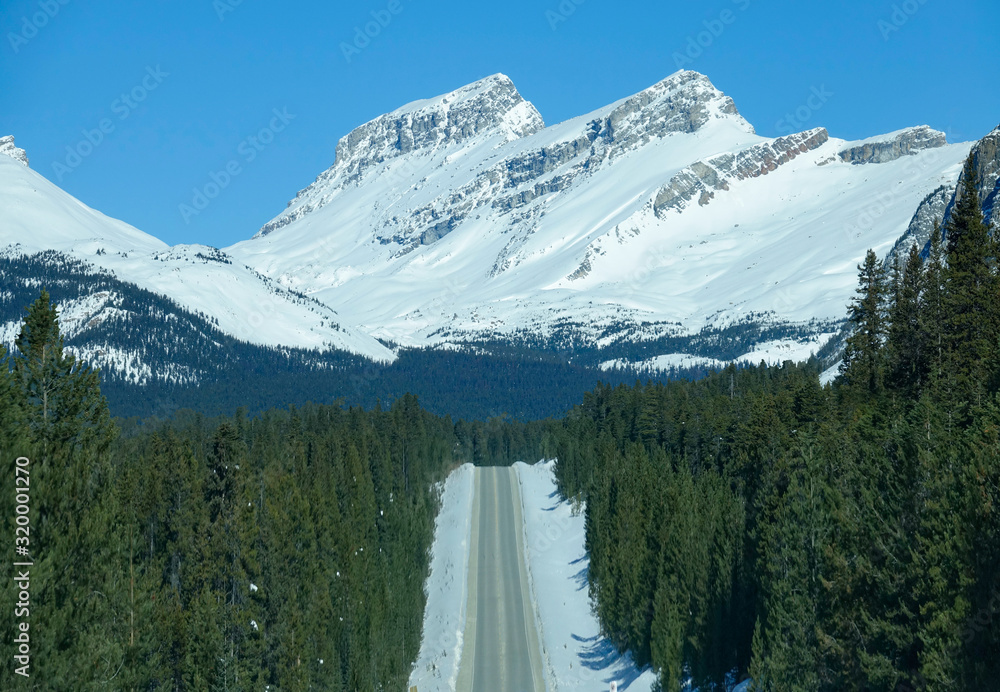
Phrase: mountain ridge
{"type": "Point", "coordinates": [660, 221]}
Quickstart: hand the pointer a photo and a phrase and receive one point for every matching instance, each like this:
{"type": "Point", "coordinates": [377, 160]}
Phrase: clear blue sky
{"type": "Point", "coordinates": [210, 75]}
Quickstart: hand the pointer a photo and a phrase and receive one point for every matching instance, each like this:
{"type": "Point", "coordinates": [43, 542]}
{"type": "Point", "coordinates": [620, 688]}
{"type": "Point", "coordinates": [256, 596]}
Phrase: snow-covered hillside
{"type": "Point", "coordinates": [36, 215]}
{"type": "Point", "coordinates": [462, 218]}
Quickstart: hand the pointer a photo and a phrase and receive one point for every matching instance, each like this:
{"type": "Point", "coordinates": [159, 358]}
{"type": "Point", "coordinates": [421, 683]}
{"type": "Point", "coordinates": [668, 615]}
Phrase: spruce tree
{"type": "Point", "coordinates": [863, 367]}
{"type": "Point", "coordinates": [79, 578]}
{"type": "Point", "coordinates": [788, 655]}
{"type": "Point", "coordinates": [64, 405]}
{"type": "Point", "coordinates": [971, 315]}
{"type": "Point", "coordinates": [907, 348]}
{"type": "Point", "coordinates": [931, 315]}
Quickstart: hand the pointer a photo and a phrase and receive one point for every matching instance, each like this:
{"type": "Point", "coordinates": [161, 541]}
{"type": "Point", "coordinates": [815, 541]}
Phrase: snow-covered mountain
{"type": "Point", "coordinates": [463, 218]}
{"type": "Point", "coordinates": [36, 215]}
{"type": "Point", "coordinates": [652, 230]}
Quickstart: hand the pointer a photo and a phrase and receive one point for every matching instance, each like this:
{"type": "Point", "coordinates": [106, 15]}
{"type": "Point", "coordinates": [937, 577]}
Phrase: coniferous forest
{"type": "Point", "coordinates": [752, 523]}
{"type": "Point", "coordinates": [757, 524]}
{"type": "Point", "coordinates": [286, 550]}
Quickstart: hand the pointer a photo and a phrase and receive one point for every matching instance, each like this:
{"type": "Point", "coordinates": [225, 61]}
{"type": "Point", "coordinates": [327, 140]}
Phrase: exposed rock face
{"type": "Point", "coordinates": [8, 148]}
{"type": "Point", "coordinates": [704, 178]}
{"type": "Point", "coordinates": [904, 143]}
{"type": "Point", "coordinates": [987, 162]}
{"type": "Point", "coordinates": [936, 208]}
{"type": "Point", "coordinates": [426, 133]}
{"type": "Point", "coordinates": [491, 104]}
{"type": "Point", "coordinates": [681, 103]}
{"type": "Point", "coordinates": [491, 107]}
{"type": "Point", "coordinates": [929, 214]}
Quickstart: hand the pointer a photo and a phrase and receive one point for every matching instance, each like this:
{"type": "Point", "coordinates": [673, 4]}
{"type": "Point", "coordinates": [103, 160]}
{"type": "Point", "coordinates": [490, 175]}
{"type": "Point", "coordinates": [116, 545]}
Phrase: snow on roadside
{"type": "Point", "coordinates": [436, 668]}
{"type": "Point", "coordinates": [575, 655]}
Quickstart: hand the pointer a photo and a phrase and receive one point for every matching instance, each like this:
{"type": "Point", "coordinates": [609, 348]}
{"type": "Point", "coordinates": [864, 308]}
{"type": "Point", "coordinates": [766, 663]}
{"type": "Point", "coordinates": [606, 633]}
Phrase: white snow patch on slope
{"type": "Point", "coordinates": [771, 352]}
{"type": "Point", "coordinates": [575, 654]}
{"type": "Point", "coordinates": [436, 667]}
{"type": "Point", "coordinates": [36, 215]}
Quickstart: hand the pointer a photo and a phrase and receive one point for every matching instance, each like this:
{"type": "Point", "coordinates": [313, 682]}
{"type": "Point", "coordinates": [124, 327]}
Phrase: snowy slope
{"type": "Point", "coordinates": [436, 667]}
{"type": "Point", "coordinates": [435, 226]}
{"type": "Point", "coordinates": [577, 656]}
{"type": "Point", "coordinates": [36, 215]}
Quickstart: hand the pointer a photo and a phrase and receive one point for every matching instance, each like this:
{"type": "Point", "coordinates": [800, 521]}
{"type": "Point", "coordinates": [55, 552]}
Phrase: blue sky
{"type": "Point", "coordinates": [169, 93]}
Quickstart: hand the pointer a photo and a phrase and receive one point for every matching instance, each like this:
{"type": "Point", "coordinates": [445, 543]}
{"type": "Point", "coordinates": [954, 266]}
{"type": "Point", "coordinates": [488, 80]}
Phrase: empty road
{"type": "Point", "coordinates": [501, 651]}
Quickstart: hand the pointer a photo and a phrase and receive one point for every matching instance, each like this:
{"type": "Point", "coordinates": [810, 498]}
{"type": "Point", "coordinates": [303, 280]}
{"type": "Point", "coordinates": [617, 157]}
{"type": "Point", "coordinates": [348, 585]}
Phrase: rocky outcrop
{"type": "Point", "coordinates": [683, 102]}
{"type": "Point", "coordinates": [935, 210]}
{"type": "Point", "coordinates": [490, 104]}
{"type": "Point", "coordinates": [704, 178]}
{"type": "Point", "coordinates": [489, 107]}
{"type": "Point", "coordinates": [8, 148]}
{"type": "Point", "coordinates": [924, 222]}
{"type": "Point", "coordinates": [987, 162]}
{"type": "Point", "coordinates": [904, 143]}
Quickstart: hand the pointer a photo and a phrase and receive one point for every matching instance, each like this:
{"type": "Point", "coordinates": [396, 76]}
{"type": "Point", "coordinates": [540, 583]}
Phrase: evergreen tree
{"type": "Point", "coordinates": [788, 651]}
{"type": "Point", "coordinates": [931, 316]}
{"type": "Point", "coordinates": [64, 401]}
{"type": "Point", "coordinates": [863, 367]}
{"type": "Point", "coordinates": [971, 315]}
{"type": "Point", "coordinates": [907, 347]}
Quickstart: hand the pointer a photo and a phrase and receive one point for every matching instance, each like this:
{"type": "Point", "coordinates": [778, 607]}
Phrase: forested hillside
{"type": "Point", "coordinates": [840, 538]}
{"type": "Point", "coordinates": [287, 550]}
{"type": "Point", "coordinates": [157, 358]}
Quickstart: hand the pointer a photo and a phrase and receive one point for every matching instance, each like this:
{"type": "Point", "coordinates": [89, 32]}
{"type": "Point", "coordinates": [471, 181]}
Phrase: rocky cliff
{"type": "Point", "coordinates": [8, 148]}
{"type": "Point", "coordinates": [891, 147]}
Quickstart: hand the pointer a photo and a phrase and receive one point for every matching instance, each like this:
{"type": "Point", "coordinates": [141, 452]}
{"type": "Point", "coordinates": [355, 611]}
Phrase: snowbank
{"type": "Point", "coordinates": [436, 668]}
{"type": "Point", "coordinates": [575, 655]}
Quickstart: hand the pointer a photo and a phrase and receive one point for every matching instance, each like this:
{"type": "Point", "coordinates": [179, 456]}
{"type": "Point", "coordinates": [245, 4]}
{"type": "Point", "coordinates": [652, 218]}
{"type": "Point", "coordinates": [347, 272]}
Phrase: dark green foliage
{"type": "Point", "coordinates": [864, 363]}
{"type": "Point", "coordinates": [288, 550]}
{"type": "Point", "coordinates": [972, 312]}
{"type": "Point", "coordinates": [756, 524]}
{"type": "Point", "coordinates": [908, 348]}
{"type": "Point", "coordinates": [63, 405]}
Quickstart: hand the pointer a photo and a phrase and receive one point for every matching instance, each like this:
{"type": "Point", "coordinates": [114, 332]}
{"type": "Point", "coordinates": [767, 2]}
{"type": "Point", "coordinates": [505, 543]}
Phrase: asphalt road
{"type": "Point", "coordinates": [501, 651]}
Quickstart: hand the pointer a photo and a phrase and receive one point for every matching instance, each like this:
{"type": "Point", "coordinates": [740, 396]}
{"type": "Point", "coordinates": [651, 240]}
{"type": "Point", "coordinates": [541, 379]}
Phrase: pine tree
{"type": "Point", "coordinates": [971, 317]}
{"type": "Point", "coordinates": [63, 397]}
{"type": "Point", "coordinates": [78, 577]}
{"type": "Point", "coordinates": [863, 367]}
{"type": "Point", "coordinates": [931, 314]}
{"type": "Point", "coordinates": [907, 348]}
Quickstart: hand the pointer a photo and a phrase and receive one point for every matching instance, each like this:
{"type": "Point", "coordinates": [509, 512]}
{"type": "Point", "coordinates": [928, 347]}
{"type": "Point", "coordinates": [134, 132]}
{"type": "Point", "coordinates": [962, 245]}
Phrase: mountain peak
{"type": "Point", "coordinates": [490, 106]}
{"type": "Point", "coordinates": [494, 85]}
{"type": "Point", "coordinates": [8, 148]}
{"type": "Point", "coordinates": [489, 110]}
{"type": "Point", "coordinates": [682, 103]}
